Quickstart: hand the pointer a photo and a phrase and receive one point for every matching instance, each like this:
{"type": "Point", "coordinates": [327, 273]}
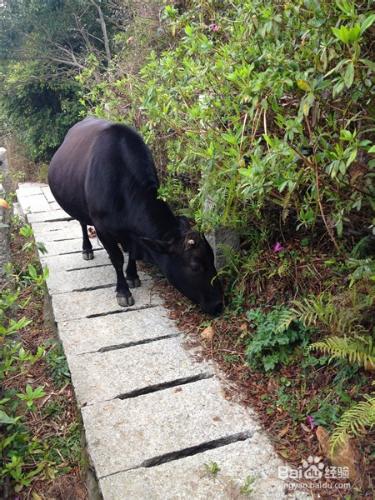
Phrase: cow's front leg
{"type": "Point", "coordinates": [123, 294]}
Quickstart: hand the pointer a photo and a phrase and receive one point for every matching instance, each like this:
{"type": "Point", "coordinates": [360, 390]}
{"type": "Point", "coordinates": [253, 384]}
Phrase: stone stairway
{"type": "Point", "coordinates": [156, 421]}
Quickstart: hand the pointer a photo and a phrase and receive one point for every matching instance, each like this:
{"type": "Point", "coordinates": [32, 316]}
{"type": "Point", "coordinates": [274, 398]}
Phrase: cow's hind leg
{"type": "Point", "coordinates": [87, 252]}
{"type": "Point", "coordinates": [132, 277]}
{"type": "Point", "coordinates": [123, 294]}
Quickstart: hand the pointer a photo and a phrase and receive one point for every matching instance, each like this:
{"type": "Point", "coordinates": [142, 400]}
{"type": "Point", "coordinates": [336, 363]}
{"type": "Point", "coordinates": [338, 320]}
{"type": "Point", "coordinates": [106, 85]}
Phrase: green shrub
{"type": "Point", "coordinates": [259, 105]}
{"type": "Point", "coordinates": [276, 335]}
{"type": "Point", "coordinates": [38, 113]}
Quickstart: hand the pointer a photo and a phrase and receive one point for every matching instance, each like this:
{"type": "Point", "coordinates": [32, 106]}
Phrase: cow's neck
{"type": "Point", "coordinates": [153, 218]}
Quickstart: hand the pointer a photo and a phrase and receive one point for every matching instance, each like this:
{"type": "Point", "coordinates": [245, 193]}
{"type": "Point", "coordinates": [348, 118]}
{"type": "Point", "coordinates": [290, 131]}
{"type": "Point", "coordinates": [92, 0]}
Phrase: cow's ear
{"type": "Point", "coordinates": [160, 246]}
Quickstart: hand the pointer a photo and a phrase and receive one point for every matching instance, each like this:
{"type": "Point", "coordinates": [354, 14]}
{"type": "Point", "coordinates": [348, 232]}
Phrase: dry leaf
{"type": "Point", "coordinates": [346, 455]}
{"type": "Point", "coordinates": [283, 431]}
{"type": "Point", "coordinates": [369, 366]}
{"type": "Point", "coordinates": [244, 327]}
{"type": "Point", "coordinates": [272, 385]}
{"type": "Point", "coordinates": [3, 203]}
{"type": "Point", "coordinates": [208, 333]}
{"type": "Point", "coordinates": [284, 453]}
{"type": "Point", "coordinates": [35, 496]}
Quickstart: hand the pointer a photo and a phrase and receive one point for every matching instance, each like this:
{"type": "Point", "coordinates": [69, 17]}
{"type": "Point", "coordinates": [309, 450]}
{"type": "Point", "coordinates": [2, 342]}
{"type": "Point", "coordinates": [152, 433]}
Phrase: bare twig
{"type": "Point", "coordinates": [318, 197]}
{"type": "Point", "coordinates": [104, 29]}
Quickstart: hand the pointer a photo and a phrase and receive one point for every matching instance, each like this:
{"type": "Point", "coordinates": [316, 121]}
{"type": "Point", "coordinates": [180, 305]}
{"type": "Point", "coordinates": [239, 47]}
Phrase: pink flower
{"type": "Point", "coordinates": [311, 422]}
{"type": "Point", "coordinates": [213, 27]}
{"type": "Point", "coordinates": [277, 247]}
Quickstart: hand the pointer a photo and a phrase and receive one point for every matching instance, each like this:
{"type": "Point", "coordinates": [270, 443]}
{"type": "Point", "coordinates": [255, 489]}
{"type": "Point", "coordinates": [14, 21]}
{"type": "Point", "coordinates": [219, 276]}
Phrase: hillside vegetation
{"type": "Point", "coordinates": [260, 116]}
{"type": "Point", "coordinates": [264, 112]}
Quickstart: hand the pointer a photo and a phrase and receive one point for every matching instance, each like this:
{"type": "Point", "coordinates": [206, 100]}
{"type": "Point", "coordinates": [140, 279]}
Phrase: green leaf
{"type": "Point", "coordinates": [347, 35]}
{"type": "Point", "coordinates": [349, 75]}
{"type": "Point", "coordinates": [188, 30]}
{"type": "Point", "coordinates": [231, 138]}
{"type": "Point", "coordinates": [346, 135]}
{"type": "Point", "coordinates": [246, 172]}
{"type": "Point", "coordinates": [41, 247]}
{"type": "Point", "coordinates": [372, 149]}
{"type": "Point", "coordinates": [304, 85]}
{"type": "Point", "coordinates": [341, 34]}
{"type": "Point", "coordinates": [5, 419]}
{"type": "Point", "coordinates": [352, 157]}
{"type": "Point", "coordinates": [306, 103]}
{"type": "Point", "coordinates": [354, 33]}
{"type": "Point", "coordinates": [370, 64]}
{"type": "Point", "coordinates": [39, 392]}
{"type": "Point", "coordinates": [32, 271]}
{"type": "Point", "coordinates": [346, 7]}
{"type": "Point", "coordinates": [367, 22]}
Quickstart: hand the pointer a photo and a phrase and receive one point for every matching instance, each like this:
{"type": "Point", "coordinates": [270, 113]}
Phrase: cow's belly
{"type": "Point", "coordinates": [67, 186]}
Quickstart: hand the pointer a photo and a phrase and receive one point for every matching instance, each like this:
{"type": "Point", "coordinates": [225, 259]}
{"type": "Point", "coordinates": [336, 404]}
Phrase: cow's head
{"type": "Point", "coordinates": [187, 261]}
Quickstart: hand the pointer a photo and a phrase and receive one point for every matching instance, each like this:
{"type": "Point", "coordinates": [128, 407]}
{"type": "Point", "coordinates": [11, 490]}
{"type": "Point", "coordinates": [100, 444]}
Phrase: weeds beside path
{"type": "Point", "coordinates": [40, 428]}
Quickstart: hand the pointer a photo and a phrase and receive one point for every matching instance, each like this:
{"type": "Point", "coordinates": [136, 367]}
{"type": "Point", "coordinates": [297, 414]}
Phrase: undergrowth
{"type": "Point", "coordinates": [35, 383]}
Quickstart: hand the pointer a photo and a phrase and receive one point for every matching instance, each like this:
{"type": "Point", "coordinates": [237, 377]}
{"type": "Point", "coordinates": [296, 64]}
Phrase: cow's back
{"type": "Point", "coordinates": [98, 167]}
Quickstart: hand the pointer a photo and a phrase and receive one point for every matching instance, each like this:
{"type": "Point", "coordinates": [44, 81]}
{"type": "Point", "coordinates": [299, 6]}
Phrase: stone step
{"type": "Point", "coordinates": [124, 434]}
{"type": "Point", "coordinates": [33, 203]}
{"type": "Point", "coordinates": [50, 216]}
{"type": "Point", "coordinates": [58, 230]}
{"type": "Point", "coordinates": [101, 376]}
{"type": "Point", "coordinates": [48, 194]}
{"type": "Point", "coordinates": [72, 261]}
{"type": "Point", "coordinates": [102, 301]}
{"type": "Point", "coordinates": [67, 246]}
{"type": "Point", "coordinates": [246, 469]}
{"type": "Point", "coordinates": [125, 328]}
{"type": "Point", "coordinates": [66, 281]}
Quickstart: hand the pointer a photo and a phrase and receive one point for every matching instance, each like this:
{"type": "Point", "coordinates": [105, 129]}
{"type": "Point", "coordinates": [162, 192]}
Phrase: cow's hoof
{"type": "Point", "coordinates": [87, 254]}
{"type": "Point", "coordinates": [133, 283]}
{"type": "Point", "coordinates": [124, 301]}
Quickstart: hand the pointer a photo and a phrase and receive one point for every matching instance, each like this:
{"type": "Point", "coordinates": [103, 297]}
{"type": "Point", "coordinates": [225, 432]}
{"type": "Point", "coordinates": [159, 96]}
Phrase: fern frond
{"type": "Point", "coordinates": [314, 309]}
{"type": "Point", "coordinates": [286, 317]}
{"type": "Point", "coordinates": [354, 422]}
{"type": "Point", "coordinates": [359, 350]}
{"type": "Point", "coordinates": [339, 315]}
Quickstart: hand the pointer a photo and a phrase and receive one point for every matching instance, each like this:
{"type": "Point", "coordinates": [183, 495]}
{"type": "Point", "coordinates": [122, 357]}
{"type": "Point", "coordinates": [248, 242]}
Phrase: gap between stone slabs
{"type": "Point", "coordinates": [102, 376]}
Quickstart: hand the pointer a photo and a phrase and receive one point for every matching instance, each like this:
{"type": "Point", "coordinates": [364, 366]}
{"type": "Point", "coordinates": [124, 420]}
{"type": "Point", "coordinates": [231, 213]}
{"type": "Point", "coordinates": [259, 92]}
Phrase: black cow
{"type": "Point", "coordinates": [103, 175]}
